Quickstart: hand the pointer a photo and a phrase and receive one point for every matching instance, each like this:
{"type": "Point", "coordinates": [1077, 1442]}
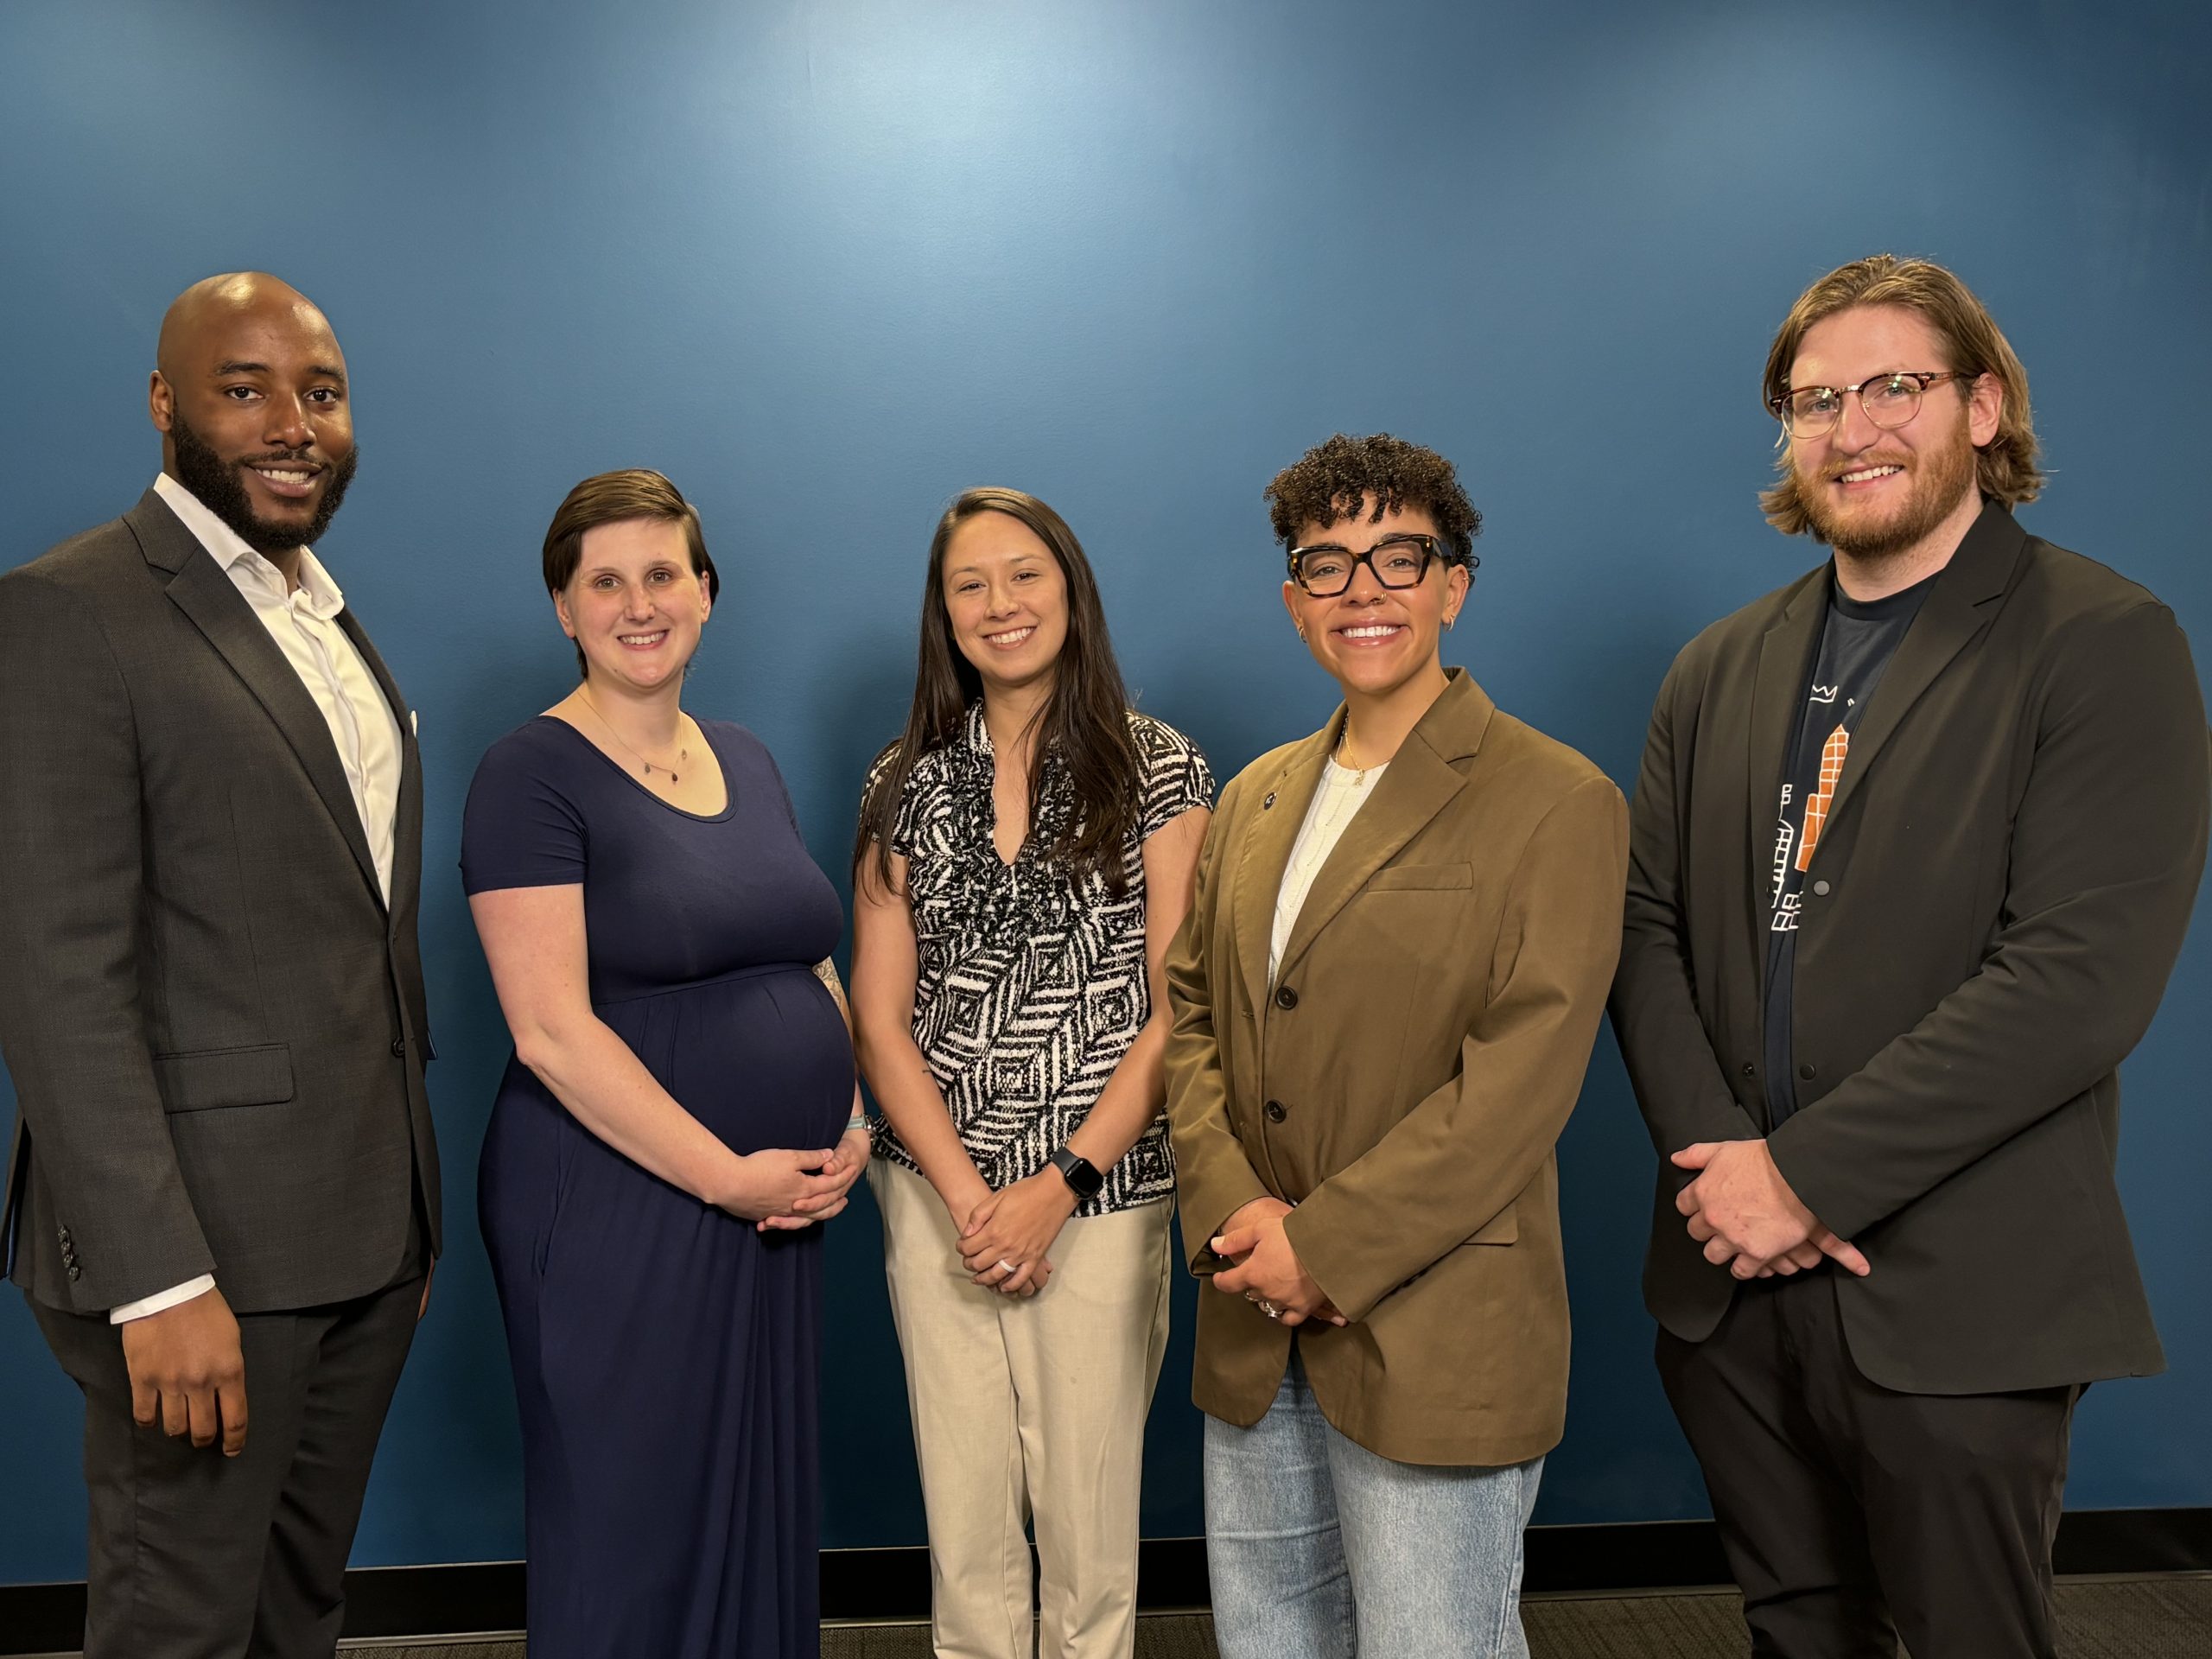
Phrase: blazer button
{"type": "Point", "coordinates": [1820, 889]}
{"type": "Point", "coordinates": [1269, 802]}
{"type": "Point", "coordinates": [399, 1048]}
{"type": "Point", "coordinates": [1276, 1111]}
{"type": "Point", "coordinates": [1809, 1072]}
{"type": "Point", "coordinates": [1750, 1069]}
{"type": "Point", "coordinates": [75, 1272]}
{"type": "Point", "coordinates": [1285, 997]}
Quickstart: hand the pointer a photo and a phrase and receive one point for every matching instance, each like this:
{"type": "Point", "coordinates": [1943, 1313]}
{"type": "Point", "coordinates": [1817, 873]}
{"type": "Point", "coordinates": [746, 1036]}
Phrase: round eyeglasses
{"type": "Point", "coordinates": [1890, 400]}
{"type": "Point", "coordinates": [1401, 561]}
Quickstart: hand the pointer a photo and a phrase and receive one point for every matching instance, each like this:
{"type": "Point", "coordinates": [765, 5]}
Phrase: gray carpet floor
{"type": "Point", "coordinates": [2168, 1617]}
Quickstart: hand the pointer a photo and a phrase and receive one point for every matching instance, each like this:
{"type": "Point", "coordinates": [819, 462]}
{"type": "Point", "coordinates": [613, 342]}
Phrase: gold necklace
{"type": "Point", "coordinates": [1358, 773]}
{"type": "Point", "coordinates": [682, 755]}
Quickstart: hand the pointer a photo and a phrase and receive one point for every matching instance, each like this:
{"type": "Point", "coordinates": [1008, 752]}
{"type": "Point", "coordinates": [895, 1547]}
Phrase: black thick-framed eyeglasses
{"type": "Point", "coordinates": [1326, 569]}
{"type": "Point", "coordinates": [1890, 400]}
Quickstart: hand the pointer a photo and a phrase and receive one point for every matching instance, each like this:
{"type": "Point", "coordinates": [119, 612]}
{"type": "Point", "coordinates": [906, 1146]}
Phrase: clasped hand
{"type": "Point", "coordinates": [783, 1190]}
{"type": "Point", "coordinates": [1265, 1267]}
{"type": "Point", "coordinates": [1749, 1222]}
{"type": "Point", "coordinates": [1004, 1240]}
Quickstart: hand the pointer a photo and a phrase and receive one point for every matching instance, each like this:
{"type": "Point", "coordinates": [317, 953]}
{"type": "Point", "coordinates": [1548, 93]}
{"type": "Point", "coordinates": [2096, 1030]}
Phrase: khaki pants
{"type": "Point", "coordinates": [1028, 1406]}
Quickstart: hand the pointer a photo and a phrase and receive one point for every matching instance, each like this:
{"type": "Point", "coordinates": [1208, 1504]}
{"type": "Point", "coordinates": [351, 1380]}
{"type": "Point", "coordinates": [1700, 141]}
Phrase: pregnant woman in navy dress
{"type": "Point", "coordinates": [679, 1115]}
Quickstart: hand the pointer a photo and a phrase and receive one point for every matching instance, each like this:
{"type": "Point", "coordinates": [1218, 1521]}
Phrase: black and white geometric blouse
{"type": "Point", "coordinates": [1032, 983]}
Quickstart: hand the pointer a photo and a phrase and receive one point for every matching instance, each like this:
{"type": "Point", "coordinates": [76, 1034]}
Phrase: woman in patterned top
{"type": "Point", "coordinates": [1025, 854]}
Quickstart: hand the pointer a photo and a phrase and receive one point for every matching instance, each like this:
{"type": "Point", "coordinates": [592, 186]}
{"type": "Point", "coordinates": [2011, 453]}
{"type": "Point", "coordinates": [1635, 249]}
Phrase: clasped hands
{"type": "Point", "coordinates": [786, 1190]}
{"type": "Point", "coordinates": [1265, 1269]}
{"type": "Point", "coordinates": [1749, 1222]}
{"type": "Point", "coordinates": [1005, 1235]}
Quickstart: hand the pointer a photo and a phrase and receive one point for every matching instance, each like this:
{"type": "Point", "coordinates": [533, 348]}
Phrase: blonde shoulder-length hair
{"type": "Point", "coordinates": [2005, 466]}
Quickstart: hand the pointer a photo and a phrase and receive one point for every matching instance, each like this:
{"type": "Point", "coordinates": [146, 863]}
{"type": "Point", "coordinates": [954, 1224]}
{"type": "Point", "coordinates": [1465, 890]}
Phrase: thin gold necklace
{"type": "Point", "coordinates": [682, 755]}
{"type": "Point", "coordinates": [1358, 773]}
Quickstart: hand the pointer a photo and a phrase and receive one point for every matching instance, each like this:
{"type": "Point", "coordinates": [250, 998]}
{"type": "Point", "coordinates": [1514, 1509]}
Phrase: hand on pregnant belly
{"type": "Point", "coordinates": [837, 1175]}
{"type": "Point", "coordinates": [780, 1182]}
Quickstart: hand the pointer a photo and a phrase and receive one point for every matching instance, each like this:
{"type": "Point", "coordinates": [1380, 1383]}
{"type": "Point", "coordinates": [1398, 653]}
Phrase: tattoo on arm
{"type": "Point", "coordinates": [826, 972]}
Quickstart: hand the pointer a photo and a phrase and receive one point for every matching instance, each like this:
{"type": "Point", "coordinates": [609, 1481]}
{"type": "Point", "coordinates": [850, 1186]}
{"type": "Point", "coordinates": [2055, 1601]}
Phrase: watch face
{"type": "Point", "coordinates": [1083, 1176]}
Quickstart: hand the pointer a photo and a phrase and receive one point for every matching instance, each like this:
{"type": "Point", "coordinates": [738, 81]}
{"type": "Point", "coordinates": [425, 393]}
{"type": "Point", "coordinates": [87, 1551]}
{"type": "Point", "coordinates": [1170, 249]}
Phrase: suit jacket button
{"type": "Point", "coordinates": [1276, 1111]}
{"type": "Point", "coordinates": [1285, 997]}
{"type": "Point", "coordinates": [399, 1047]}
{"type": "Point", "coordinates": [1269, 802]}
{"type": "Point", "coordinates": [1750, 1069]}
{"type": "Point", "coordinates": [1820, 889]}
{"type": "Point", "coordinates": [75, 1272]}
{"type": "Point", "coordinates": [1808, 1072]}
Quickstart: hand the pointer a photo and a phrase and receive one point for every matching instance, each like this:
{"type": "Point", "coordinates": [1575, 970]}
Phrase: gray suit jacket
{"type": "Point", "coordinates": [214, 1025]}
{"type": "Point", "coordinates": [2000, 891]}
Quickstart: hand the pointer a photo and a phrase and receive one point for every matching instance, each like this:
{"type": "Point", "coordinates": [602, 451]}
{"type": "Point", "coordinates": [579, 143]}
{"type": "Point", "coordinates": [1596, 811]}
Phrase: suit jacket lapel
{"type": "Point", "coordinates": [1421, 778]}
{"type": "Point", "coordinates": [1777, 699]}
{"type": "Point", "coordinates": [199, 588]}
{"type": "Point", "coordinates": [1265, 855]}
{"type": "Point", "coordinates": [1956, 608]}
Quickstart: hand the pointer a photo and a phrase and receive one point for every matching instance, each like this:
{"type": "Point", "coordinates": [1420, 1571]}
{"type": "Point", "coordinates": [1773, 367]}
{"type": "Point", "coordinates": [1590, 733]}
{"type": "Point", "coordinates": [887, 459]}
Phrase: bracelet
{"type": "Point", "coordinates": [858, 1120]}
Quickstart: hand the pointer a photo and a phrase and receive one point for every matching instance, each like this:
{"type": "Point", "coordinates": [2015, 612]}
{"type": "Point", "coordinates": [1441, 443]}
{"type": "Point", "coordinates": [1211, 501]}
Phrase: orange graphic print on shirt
{"type": "Point", "coordinates": [1816, 808]}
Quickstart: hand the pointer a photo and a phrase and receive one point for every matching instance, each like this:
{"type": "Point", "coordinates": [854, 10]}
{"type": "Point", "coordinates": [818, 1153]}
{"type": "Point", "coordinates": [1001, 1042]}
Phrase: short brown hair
{"type": "Point", "coordinates": [1330, 480]}
{"type": "Point", "coordinates": [609, 499]}
{"type": "Point", "coordinates": [2005, 467]}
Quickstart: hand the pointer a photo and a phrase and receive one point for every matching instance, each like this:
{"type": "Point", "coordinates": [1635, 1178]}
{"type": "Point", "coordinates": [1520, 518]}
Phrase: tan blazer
{"type": "Point", "coordinates": [1404, 1079]}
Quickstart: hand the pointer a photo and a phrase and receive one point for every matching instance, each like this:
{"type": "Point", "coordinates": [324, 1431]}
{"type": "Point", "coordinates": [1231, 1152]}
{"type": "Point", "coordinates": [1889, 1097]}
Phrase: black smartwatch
{"type": "Point", "coordinates": [1080, 1173]}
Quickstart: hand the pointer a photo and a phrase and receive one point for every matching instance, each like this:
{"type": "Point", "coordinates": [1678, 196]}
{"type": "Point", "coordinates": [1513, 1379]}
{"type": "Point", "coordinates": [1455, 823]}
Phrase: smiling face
{"type": "Point", "coordinates": [1871, 493]}
{"type": "Point", "coordinates": [634, 605]}
{"type": "Point", "coordinates": [1374, 641]}
{"type": "Point", "coordinates": [1006, 599]}
{"type": "Point", "coordinates": [250, 399]}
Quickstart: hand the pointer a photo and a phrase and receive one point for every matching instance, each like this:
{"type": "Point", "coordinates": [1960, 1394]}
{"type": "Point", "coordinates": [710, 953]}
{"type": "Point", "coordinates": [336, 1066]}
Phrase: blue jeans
{"type": "Point", "coordinates": [1320, 1549]}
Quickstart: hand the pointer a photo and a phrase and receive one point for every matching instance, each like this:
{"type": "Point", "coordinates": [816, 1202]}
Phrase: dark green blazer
{"type": "Point", "coordinates": [2000, 890]}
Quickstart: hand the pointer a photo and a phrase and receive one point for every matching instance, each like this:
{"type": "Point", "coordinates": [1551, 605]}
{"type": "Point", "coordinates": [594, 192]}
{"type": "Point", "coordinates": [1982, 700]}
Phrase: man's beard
{"type": "Point", "coordinates": [215, 483]}
{"type": "Point", "coordinates": [1937, 477]}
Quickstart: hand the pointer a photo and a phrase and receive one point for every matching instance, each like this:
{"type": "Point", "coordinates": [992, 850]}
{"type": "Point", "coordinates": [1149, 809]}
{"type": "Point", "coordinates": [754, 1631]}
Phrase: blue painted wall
{"type": "Point", "coordinates": [827, 262]}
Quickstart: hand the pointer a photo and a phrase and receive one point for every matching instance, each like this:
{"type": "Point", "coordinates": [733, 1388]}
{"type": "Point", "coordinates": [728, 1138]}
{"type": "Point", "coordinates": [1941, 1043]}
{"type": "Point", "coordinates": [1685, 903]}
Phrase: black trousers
{"type": "Point", "coordinates": [1852, 1514]}
{"type": "Point", "coordinates": [195, 1555]}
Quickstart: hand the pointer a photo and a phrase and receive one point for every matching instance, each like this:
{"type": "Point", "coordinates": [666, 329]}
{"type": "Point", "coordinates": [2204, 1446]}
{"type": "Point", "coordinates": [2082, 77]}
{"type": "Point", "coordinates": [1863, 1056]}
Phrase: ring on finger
{"type": "Point", "coordinates": [1271, 1309]}
{"type": "Point", "coordinates": [1007, 1267]}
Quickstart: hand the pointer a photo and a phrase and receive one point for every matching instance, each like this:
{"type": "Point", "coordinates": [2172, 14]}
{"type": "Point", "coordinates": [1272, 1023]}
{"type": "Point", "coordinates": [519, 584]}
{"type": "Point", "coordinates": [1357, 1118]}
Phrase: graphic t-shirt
{"type": "Point", "coordinates": [1856, 647]}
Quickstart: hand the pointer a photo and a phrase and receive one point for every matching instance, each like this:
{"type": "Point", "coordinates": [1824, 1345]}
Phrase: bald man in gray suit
{"type": "Point", "coordinates": [222, 1198]}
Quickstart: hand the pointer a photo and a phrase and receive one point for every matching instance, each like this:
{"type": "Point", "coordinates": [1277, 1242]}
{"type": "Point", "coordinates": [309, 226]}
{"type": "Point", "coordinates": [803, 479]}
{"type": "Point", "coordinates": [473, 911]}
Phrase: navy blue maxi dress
{"type": "Point", "coordinates": [666, 1354]}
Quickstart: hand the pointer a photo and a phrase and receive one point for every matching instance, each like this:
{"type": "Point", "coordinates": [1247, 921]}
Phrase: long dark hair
{"type": "Point", "coordinates": [1084, 724]}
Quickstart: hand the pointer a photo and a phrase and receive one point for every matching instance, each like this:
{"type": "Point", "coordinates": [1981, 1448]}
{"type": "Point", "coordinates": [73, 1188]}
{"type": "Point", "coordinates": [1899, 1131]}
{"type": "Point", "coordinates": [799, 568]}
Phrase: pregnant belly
{"type": "Point", "coordinates": [761, 1059]}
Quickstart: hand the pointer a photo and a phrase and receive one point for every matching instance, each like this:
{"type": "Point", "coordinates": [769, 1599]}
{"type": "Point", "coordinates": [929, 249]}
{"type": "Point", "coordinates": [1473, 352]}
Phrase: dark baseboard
{"type": "Point", "coordinates": [867, 1585]}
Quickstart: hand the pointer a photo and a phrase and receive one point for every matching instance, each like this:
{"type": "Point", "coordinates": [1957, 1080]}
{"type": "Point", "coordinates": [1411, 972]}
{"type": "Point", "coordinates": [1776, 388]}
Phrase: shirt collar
{"type": "Point", "coordinates": [978, 737]}
{"type": "Point", "coordinates": [320, 595]}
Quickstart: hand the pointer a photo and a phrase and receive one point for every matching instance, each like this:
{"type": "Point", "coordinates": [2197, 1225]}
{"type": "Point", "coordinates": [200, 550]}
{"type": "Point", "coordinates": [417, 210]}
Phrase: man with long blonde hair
{"type": "Point", "coordinates": [1913, 851]}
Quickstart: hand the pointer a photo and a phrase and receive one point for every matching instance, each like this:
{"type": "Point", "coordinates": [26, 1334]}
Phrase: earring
{"type": "Point", "coordinates": [1449, 620]}
{"type": "Point", "coordinates": [1300, 627]}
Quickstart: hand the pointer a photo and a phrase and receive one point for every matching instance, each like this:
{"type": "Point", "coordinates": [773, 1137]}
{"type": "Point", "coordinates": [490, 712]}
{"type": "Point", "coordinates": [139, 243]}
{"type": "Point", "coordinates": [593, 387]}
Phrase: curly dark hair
{"type": "Point", "coordinates": [1330, 480]}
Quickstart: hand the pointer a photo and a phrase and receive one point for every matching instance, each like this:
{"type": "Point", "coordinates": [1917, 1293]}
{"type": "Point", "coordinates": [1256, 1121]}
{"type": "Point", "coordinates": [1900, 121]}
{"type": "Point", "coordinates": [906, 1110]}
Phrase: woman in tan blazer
{"type": "Point", "coordinates": [1383, 1002]}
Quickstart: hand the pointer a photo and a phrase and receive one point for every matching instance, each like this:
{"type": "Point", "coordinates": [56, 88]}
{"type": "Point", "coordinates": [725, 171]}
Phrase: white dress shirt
{"type": "Point", "coordinates": [1336, 803]}
{"type": "Point", "coordinates": [303, 623]}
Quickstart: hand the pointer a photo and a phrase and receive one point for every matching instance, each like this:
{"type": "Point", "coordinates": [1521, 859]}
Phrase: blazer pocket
{"type": "Point", "coordinates": [1424, 878]}
{"type": "Point", "coordinates": [1503, 1228]}
{"type": "Point", "coordinates": [257, 1076]}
